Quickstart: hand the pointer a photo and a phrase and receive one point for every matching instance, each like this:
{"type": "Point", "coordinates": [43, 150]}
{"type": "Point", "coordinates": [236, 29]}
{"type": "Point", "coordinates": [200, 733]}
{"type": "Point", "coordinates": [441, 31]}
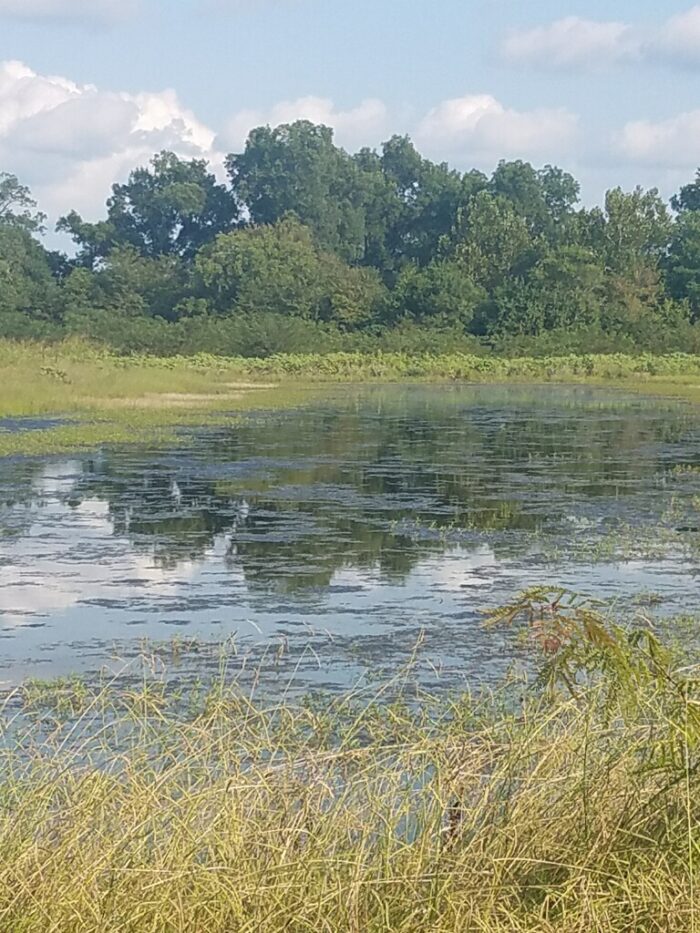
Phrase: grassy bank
{"type": "Point", "coordinates": [571, 804]}
{"type": "Point", "coordinates": [75, 376]}
{"type": "Point", "coordinates": [101, 398]}
{"type": "Point", "coordinates": [108, 398]}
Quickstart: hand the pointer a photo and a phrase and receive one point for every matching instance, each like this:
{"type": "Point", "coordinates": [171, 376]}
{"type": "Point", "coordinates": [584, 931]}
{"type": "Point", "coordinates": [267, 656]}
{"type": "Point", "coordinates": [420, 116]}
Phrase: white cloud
{"type": "Point", "coordinates": [70, 142]}
{"type": "Point", "coordinates": [582, 43]}
{"type": "Point", "coordinates": [678, 41]}
{"type": "Point", "coordinates": [68, 10]}
{"type": "Point", "coordinates": [572, 43]}
{"type": "Point", "coordinates": [481, 128]}
{"type": "Point", "coordinates": [671, 143]}
{"type": "Point", "coordinates": [362, 125]}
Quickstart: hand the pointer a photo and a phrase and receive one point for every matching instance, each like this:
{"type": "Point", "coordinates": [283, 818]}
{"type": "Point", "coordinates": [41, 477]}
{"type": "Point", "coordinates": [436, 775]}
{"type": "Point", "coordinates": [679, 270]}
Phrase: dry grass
{"type": "Point", "coordinates": [167, 401]}
{"type": "Point", "coordinates": [522, 811]}
{"type": "Point", "coordinates": [75, 378]}
{"type": "Point", "coordinates": [108, 399]}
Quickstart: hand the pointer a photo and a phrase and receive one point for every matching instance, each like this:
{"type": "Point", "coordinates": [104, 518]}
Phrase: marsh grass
{"type": "Point", "coordinates": [135, 399]}
{"type": "Point", "coordinates": [570, 804]}
{"type": "Point", "coordinates": [105, 399]}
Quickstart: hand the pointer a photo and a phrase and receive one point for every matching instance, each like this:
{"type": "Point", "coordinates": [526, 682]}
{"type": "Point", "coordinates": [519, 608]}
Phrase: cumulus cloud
{"type": "Point", "coordinates": [70, 142]}
{"type": "Point", "coordinates": [67, 10]}
{"type": "Point", "coordinates": [360, 125]}
{"type": "Point", "coordinates": [571, 43]}
{"type": "Point", "coordinates": [483, 129]}
{"type": "Point", "coordinates": [678, 41]}
{"type": "Point", "coordinates": [670, 143]}
{"type": "Point", "coordinates": [575, 43]}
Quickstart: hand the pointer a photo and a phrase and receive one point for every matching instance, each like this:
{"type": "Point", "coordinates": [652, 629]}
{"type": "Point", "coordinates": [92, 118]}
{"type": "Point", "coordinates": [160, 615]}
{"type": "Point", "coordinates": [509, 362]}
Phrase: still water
{"type": "Point", "coordinates": [324, 542]}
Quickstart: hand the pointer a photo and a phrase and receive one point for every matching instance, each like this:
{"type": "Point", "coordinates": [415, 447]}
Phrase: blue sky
{"type": "Point", "coordinates": [89, 88]}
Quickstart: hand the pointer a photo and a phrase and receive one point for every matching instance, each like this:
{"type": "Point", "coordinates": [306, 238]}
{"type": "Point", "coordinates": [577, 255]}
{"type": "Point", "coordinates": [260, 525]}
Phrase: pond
{"type": "Point", "coordinates": [333, 544]}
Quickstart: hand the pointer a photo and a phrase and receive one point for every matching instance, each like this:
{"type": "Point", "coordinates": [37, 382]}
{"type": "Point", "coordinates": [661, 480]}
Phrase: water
{"type": "Point", "coordinates": [324, 542]}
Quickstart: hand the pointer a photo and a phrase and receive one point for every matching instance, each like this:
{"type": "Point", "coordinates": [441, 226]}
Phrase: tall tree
{"type": "Point", "coordinates": [26, 283]}
{"type": "Point", "coordinates": [279, 269]}
{"type": "Point", "coordinates": [296, 168]}
{"type": "Point", "coordinates": [688, 198]}
{"type": "Point", "coordinates": [683, 261]}
{"type": "Point", "coordinates": [424, 201]}
{"type": "Point", "coordinates": [495, 241]}
{"type": "Point", "coordinates": [545, 199]}
{"type": "Point", "coordinates": [171, 208]}
{"type": "Point", "coordinates": [635, 231]}
{"type": "Point", "coordinates": [17, 206]}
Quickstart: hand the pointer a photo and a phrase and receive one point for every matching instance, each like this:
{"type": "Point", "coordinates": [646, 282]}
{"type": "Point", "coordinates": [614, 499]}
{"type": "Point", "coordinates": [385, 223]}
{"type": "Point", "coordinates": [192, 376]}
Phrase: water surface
{"type": "Point", "coordinates": [326, 541]}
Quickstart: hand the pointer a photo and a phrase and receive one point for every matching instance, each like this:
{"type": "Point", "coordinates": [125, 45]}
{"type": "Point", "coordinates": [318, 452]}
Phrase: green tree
{"type": "Point", "coordinates": [296, 168]}
{"type": "Point", "coordinates": [441, 293]}
{"type": "Point", "coordinates": [544, 199]}
{"type": "Point", "coordinates": [27, 286]}
{"type": "Point", "coordinates": [421, 203]}
{"type": "Point", "coordinates": [494, 242]}
{"type": "Point", "coordinates": [565, 290]}
{"type": "Point", "coordinates": [171, 208]}
{"type": "Point", "coordinates": [688, 198]}
{"type": "Point", "coordinates": [28, 291]}
{"type": "Point", "coordinates": [17, 207]}
{"type": "Point", "coordinates": [683, 262]}
{"type": "Point", "coordinates": [129, 284]}
{"type": "Point", "coordinates": [354, 297]}
{"type": "Point", "coordinates": [279, 269]}
{"type": "Point", "coordinates": [636, 230]}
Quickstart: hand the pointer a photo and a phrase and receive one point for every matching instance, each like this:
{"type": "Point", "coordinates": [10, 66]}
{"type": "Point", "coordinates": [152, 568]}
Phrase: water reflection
{"type": "Point", "coordinates": [370, 515]}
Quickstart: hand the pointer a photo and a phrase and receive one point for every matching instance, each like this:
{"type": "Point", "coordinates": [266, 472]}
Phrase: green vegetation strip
{"type": "Point", "coordinates": [143, 399]}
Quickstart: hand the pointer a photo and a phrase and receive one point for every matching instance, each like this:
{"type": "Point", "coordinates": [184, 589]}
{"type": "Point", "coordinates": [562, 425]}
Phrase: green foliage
{"type": "Point", "coordinates": [544, 199]}
{"type": "Point", "coordinates": [683, 262]}
{"type": "Point", "coordinates": [130, 285]}
{"type": "Point", "coordinates": [297, 169]}
{"type": "Point", "coordinates": [270, 269]}
{"type": "Point", "coordinates": [564, 290]}
{"type": "Point", "coordinates": [355, 246]}
{"type": "Point", "coordinates": [171, 208]}
{"type": "Point", "coordinates": [27, 286]}
{"type": "Point", "coordinates": [441, 294]}
{"type": "Point", "coordinates": [494, 242]}
{"type": "Point", "coordinates": [279, 269]}
{"type": "Point", "coordinates": [17, 207]}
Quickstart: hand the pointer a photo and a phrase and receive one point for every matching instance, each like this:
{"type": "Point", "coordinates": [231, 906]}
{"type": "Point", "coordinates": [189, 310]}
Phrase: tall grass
{"type": "Point", "coordinates": [569, 805]}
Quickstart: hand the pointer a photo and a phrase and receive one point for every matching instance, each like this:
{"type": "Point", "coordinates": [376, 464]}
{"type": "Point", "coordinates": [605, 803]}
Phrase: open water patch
{"type": "Point", "coordinates": [327, 541]}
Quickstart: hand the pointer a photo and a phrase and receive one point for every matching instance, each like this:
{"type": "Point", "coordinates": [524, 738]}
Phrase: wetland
{"type": "Point", "coordinates": [326, 539]}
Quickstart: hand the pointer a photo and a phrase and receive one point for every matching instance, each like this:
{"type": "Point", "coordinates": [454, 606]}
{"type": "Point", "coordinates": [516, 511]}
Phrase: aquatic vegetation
{"type": "Point", "coordinates": [122, 399]}
{"type": "Point", "coordinates": [566, 803]}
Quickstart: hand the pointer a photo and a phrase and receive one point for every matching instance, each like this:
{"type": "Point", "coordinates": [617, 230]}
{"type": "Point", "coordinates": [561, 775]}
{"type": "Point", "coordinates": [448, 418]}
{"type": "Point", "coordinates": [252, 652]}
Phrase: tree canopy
{"type": "Point", "coordinates": [358, 244]}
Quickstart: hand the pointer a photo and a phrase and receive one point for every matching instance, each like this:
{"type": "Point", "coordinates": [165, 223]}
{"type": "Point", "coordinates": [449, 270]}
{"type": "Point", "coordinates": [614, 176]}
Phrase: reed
{"type": "Point", "coordinates": [569, 803]}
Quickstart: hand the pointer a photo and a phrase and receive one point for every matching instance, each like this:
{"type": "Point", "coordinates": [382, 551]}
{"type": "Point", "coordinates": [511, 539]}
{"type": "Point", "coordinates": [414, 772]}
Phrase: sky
{"type": "Point", "coordinates": [89, 89]}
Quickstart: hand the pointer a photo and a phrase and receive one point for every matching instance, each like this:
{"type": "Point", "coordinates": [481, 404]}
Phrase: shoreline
{"type": "Point", "coordinates": [103, 398]}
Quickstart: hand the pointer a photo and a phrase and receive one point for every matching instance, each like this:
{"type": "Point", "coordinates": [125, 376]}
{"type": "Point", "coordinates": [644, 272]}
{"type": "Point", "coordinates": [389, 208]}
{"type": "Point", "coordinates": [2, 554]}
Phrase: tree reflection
{"type": "Point", "coordinates": [374, 479]}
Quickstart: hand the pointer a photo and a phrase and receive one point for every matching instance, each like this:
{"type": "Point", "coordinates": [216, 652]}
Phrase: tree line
{"type": "Point", "coordinates": [307, 246]}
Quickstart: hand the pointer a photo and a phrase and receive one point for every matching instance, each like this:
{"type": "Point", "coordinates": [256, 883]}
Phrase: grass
{"type": "Point", "coordinates": [570, 804]}
{"type": "Point", "coordinates": [108, 398]}
{"type": "Point", "coordinates": [105, 399]}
